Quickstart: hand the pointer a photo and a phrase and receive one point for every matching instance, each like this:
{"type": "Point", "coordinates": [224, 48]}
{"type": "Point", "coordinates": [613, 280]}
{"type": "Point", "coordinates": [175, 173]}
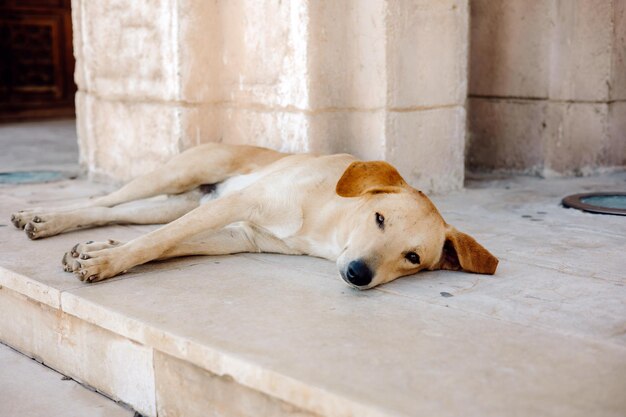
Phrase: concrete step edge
{"type": "Point", "coordinates": [251, 375]}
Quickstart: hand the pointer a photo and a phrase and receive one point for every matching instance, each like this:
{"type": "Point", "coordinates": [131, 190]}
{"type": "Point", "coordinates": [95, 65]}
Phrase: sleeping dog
{"type": "Point", "coordinates": [221, 199]}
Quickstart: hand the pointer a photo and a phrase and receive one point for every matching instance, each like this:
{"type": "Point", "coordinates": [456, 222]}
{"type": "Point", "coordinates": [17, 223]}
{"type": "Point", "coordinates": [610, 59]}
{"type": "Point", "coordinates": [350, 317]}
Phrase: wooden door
{"type": "Point", "coordinates": [36, 59]}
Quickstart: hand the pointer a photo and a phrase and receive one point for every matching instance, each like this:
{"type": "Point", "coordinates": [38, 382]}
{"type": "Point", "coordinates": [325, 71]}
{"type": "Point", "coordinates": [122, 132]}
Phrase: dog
{"type": "Point", "coordinates": [222, 199]}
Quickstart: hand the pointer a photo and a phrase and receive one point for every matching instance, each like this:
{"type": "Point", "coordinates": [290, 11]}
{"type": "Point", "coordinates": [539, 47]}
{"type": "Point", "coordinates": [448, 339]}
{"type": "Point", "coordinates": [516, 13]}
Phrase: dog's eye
{"type": "Point", "coordinates": [412, 257]}
{"type": "Point", "coordinates": [380, 220]}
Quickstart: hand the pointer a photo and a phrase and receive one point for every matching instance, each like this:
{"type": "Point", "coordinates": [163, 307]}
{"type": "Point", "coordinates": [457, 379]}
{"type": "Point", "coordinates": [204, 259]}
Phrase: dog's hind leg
{"type": "Point", "coordinates": [205, 164]}
{"type": "Point", "coordinates": [210, 163]}
{"type": "Point", "coordinates": [162, 209]}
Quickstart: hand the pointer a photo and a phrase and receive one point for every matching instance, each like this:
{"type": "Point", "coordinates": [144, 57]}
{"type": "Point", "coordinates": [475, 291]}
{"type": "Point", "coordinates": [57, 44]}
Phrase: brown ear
{"type": "Point", "coordinates": [369, 177]}
{"type": "Point", "coordinates": [461, 251]}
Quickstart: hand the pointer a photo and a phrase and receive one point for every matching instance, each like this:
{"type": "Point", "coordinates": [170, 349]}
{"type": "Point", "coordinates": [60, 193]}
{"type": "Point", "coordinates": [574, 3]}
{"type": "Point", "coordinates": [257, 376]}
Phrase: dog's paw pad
{"type": "Point", "coordinates": [31, 230]}
{"type": "Point", "coordinates": [19, 220]}
{"type": "Point", "coordinates": [81, 260]}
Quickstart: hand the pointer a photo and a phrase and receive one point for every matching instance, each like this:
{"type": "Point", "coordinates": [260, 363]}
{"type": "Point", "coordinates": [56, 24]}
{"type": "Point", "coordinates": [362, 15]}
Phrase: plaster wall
{"type": "Point", "coordinates": [382, 79]}
{"type": "Point", "coordinates": [547, 86]}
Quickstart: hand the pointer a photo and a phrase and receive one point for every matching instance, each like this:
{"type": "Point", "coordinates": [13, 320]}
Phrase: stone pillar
{"type": "Point", "coordinates": [547, 86]}
{"type": "Point", "coordinates": [382, 79]}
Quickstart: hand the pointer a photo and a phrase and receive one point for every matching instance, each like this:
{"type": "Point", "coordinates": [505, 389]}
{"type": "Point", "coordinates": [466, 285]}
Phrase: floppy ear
{"type": "Point", "coordinates": [461, 251]}
{"type": "Point", "coordinates": [369, 177]}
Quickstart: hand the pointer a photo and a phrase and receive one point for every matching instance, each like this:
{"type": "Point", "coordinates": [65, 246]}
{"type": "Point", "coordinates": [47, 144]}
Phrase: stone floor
{"type": "Point", "coordinates": [546, 335]}
{"type": "Point", "coordinates": [29, 389]}
{"type": "Point", "coordinates": [39, 146]}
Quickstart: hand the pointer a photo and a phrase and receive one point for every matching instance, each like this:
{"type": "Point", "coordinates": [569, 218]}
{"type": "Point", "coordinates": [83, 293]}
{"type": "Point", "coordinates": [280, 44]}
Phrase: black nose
{"type": "Point", "coordinates": [358, 273]}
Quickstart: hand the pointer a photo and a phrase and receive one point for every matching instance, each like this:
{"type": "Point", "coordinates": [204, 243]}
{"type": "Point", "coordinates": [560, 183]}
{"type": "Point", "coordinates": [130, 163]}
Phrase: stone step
{"type": "Point", "coordinates": [270, 335]}
{"type": "Point", "coordinates": [29, 389]}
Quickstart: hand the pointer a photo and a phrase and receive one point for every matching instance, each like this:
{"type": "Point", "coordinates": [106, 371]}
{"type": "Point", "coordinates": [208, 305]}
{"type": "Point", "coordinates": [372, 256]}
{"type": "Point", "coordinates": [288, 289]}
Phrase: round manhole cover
{"type": "Point", "coordinates": [603, 203]}
{"type": "Point", "coordinates": [26, 177]}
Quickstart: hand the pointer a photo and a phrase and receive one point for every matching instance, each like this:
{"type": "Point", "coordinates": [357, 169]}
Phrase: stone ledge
{"type": "Point", "coordinates": [31, 389]}
{"type": "Point", "coordinates": [283, 333]}
{"type": "Point", "coordinates": [113, 365]}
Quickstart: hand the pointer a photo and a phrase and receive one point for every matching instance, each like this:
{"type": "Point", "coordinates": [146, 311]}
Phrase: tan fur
{"type": "Point", "coordinates": [369, 177]}
{"type": "Point", "coordinates": [266, 201]}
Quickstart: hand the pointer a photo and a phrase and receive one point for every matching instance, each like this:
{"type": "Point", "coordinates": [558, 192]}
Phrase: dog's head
{"type": "Point", "coordinates": [396, 230]}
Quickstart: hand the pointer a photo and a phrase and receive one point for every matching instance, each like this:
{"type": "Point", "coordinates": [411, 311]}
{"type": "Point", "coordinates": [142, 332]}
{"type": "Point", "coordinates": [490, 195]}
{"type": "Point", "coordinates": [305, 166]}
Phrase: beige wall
{"type": "Point", "coordinates": [547, 86]}
{"type": "Point", "coordinates": [382, 79]}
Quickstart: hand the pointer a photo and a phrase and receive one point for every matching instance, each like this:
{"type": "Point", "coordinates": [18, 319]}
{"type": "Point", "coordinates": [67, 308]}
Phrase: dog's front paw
{"type": "Point", "coordinates": [95, 269]}
{"type": "Point", "coordinates": [71, 259]}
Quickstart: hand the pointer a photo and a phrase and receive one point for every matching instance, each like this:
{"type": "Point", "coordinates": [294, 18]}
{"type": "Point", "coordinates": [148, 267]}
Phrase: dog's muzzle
{"type": "Point", "coordinates": [358, 274]}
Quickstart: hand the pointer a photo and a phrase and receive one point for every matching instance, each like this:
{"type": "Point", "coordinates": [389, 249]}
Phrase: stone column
{"type": "Point", "coordinates": [382, 79]}
{"type": "Point", "coordinates": [547, 86]}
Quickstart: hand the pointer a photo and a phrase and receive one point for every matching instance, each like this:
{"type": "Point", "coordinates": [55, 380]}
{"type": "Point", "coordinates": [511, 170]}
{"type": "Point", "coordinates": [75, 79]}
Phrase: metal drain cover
{"type": "Point", "coordinates": [27, 177]}
{"type": "Point", "coordinates": [603, 203]}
